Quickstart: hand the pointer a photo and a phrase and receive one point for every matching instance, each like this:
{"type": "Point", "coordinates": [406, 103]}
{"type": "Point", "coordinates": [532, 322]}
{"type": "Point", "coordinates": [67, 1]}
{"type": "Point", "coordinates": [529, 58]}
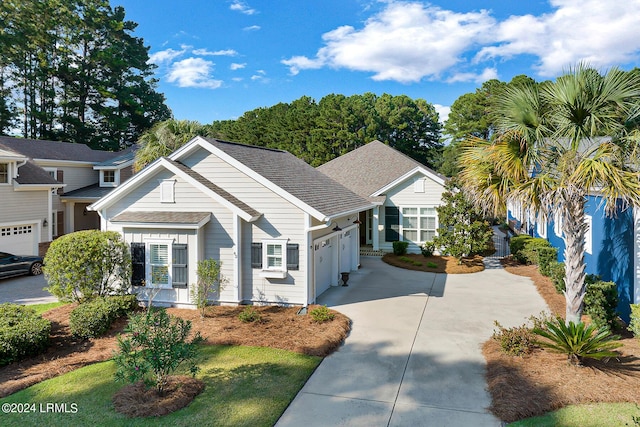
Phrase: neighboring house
{"type": "Point", "coordinates": [39, 181]}
{"type": "Point", "coordinates": [282, 230]}
{"type": "Point", "coordinates": [405, 194]}
{"type": "Point", "coordinates": [612, 248]}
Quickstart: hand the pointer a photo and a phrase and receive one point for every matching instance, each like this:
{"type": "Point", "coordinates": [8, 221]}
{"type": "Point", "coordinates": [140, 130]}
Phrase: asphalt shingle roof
{"type": "Point", "coordinates": [32, 174]}
{"type": "Point", "coordinates": [159, 217]}
{"type": "Point", "coordinates": [296, 177]}
{"type": "Point", "coordinates": [54, 150]}
{"type": "Point", "coordinates": [89, 192]}
{"type": "Point", "coordinates": [370, 168]}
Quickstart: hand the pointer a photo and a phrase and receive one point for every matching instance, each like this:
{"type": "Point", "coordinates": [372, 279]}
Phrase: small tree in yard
{"type": "Point", "coordinates": [463, 231]}
{"type": "Point", "coordinates": [87, 264]}
{"type": "Point", "coordinates": [210, 281]}
{"type": "Point", "coordinates": [155, 347]}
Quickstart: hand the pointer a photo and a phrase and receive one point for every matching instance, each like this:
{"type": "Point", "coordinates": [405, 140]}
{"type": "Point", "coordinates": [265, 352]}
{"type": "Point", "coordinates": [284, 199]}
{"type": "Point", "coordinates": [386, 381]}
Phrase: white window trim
{"type": "Point", "coordinates": [274, 272]}
{"type": "Point", "coordinates": [168, 191]}
{"type": "Point", "coordinates": [557, 224]}
{"type": "Point", "coordinates": [116, 178]}
{"type": "Point", "coordinates": [588, 235]}
{"type": "Point", "coordinates": [9, 176]}
{"type": "Point", "coordinates": [542, 227]}
{"type": "Point", "coordinates": [147, 262]}
{"type": "Point", "coordinates": [417, 216]}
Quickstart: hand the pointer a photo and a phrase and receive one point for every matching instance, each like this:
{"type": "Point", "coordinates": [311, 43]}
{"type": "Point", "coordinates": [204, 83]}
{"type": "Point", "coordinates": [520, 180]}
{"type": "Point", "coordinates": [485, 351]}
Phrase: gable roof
{"type": "Point", "coordinates": [54, 150]}
{"type": "Point", "coordinates": [373, 167]}
{"type": "Point", "coordinates": [286, 175]}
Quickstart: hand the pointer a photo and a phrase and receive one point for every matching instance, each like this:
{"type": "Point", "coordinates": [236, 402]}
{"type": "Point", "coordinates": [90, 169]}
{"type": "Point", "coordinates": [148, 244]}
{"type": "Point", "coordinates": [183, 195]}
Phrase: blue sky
{"type": "Point", "coordinates": [219, 58]}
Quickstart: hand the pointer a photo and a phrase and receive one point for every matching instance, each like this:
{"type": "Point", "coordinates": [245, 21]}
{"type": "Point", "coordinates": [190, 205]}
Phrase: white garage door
{"type": "Point", "coordinates": [18, 239]}
{"type": "Point", "coordinates": [324, 264]}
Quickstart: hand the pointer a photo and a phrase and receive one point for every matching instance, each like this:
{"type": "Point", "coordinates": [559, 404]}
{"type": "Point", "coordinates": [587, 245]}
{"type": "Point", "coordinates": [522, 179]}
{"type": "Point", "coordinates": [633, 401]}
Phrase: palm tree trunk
{"type": "Point", "coordinates": [574, 229]}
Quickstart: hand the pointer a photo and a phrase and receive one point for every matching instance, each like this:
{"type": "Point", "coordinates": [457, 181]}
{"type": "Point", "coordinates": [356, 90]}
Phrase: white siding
{"type": "Point", "coordinates": [404, 195]}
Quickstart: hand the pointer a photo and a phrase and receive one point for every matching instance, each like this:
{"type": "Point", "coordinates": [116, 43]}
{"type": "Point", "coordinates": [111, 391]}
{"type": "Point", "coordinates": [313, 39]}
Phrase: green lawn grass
{"type": "Point", "coordinates": [245, 386]}
{"type": "Point", "coordinates": [591, 415]}
{"type": "Point", "coordinates": [41, 308]}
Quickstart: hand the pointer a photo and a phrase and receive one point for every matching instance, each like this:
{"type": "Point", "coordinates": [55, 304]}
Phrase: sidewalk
{"type": "Point", "coordinates": [413, 357]}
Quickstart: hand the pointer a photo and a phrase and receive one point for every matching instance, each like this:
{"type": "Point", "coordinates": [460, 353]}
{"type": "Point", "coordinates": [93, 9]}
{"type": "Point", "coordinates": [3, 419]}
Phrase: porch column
{"type": "Point", "coordinates": [374, 228]}
{"type": "Point", "coordinates": [70, 220]}
{"type": "Point", "coordinates": [237, 260]}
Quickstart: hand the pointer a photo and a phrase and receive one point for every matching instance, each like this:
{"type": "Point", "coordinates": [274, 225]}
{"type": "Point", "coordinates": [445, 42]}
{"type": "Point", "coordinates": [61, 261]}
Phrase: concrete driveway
{"type": "Point", "coordinates": [413, 357]}
{"type": "Point", "coordinates": [25, 290]}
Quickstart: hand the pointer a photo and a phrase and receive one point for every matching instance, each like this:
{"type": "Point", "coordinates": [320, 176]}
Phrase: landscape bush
{"type": "Point", "coordinates": [428, 248]}
{"type": "Point", "coordinates": [22, 333]}
{"type": "Point", "coordinates": [87, 264]}
{"type": "Point", "coordinates": [601, 301]}
{"type": "Point", "coordinates": [557, 274]}
{"type": "Point", "coordinates": [634, 324]}
{"type": "Point", "coordinates": [516, 245]}
{"type": "Point", "coordinates": [532, 249]}
{"type": "Point", "coordinates": [578, 341]}
{"type": "Point", "coordinates": [400, 248]}
{"type": "Point", "coordinates": [93, 318]}
{"type": "Point", "coordinates": [321, 314]}
{"type": "Point", "coordinates": [249, 315]}
{"type": "Point", "coordinates": [155, 346]}
{"type": "Point", "coordinates": [519, 340]}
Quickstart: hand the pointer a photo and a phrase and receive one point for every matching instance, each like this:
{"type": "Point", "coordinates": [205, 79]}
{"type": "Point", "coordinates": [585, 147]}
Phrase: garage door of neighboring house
{"type": "Point", "coordinates": [326, 272]}
{"type": "Point", "coordinates": [18, 239]}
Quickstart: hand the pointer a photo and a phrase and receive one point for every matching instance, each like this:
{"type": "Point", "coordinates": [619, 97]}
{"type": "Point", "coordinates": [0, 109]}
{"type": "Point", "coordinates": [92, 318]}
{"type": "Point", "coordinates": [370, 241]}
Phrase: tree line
{"type": "Point", "coordinates": [72, 70]}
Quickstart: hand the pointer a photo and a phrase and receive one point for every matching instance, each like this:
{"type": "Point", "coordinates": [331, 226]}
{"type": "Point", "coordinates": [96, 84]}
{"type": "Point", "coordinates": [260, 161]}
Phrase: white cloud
{"type": "Point", "coordinates": [487, 74]}
{"type": "Point", "coordinates": [443, 112]}
{"type": "Point", "coordinates": [593, 31]}
{"type": "Point", "coordinates": [165, 56]}
{"type": "Point", "coordinates": [242, 7]}
{"type": "Point", "coordinates": [252, 28]}
{"type": "Point", "coordinates": [206, 52]}
{"type": "Point", "coordinates": [405, 42]}
{"type": "Point", "coordinates": [193, 72]}
{"type": "Point", "coordinates": [234, 66]}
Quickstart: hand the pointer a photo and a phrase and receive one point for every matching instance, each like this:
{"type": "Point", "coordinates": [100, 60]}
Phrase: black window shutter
{"type": "Point", "coordinates": [180, 270]}
{"type": "Point", "coordinates": [256, 255]}
{"type": "Point", "coordinates": [391, 224]}
{"type": "Point", "coordinates": [293, 256]}
{"type": "Point", "coordinates": [137, 264]}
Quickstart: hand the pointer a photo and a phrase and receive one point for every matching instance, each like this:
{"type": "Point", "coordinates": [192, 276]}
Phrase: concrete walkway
{"type": "Point", "coordinates": [413, 357]}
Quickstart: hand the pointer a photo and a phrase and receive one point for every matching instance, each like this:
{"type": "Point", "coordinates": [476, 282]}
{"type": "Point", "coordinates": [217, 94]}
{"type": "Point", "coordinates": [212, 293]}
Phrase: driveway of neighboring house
{"type": "Point", "coordinates": [25, 290]}
{"type": "Point", "coordinates": [413, 357]}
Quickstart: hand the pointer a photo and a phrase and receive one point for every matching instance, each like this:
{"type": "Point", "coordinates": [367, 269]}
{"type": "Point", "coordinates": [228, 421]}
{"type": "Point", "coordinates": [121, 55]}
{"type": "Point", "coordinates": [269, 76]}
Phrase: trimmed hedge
{"type": "Point", "coordinates": [94, 318]}
{"type": "Point", "coordinates": [22, 333]}
{"type": "Point", "coordinates": [557, 274]}
{"type": "Point", "coordinates": [517, 244]}
{"type": "Point", "coordinates": [634, 325]}
{"type": "Point", "coordinates": [600, 301]}
{"type": "Point", "coordinates": [400, 248]}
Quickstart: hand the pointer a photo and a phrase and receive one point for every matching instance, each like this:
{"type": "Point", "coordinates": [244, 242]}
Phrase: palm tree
{"type": "Point", "coordinates": [558, 142]}
{"type": "Point", "coordinates": [164, 138]}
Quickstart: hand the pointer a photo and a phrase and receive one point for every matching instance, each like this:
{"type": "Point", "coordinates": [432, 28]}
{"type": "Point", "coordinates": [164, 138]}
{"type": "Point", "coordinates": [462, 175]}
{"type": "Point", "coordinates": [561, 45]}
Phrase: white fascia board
{"type": "Point", "coordinates": [7, 157]}
{"type": "Point", "coordinates": [125, 188]}
{"type": "Point", "coordinates": [397, 181]}
{"type": "Point", "coordinates": [35, 187]}
{"type": "Point", "coordinates": [179, 226]}
{"type": "Point", "coordinates": [114, 167]}
{"type": "Point", "coordinates": [352, 211]}
{"type": "Point", "coordinates": [200, 142]}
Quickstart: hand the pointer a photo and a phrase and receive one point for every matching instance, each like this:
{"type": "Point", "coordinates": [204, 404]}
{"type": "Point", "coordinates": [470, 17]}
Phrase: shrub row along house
{"type": "Point", "coordinates": [612, 244]}
{"type": "Point", "coordinates": [46, 186]}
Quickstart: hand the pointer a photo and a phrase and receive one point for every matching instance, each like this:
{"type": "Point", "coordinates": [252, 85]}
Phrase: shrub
{"type": "Point", "coordinates": [249, 315]}
{"type": "Point", "coordinates": [432, 265]}
{"type": "Point", "coordinates": [427, 249]}
{"type": "Point", "coordinates": [321, 314]}
{"type": "Point", "coordinates": [515, 341]}
{"type": "Point", "coordinates": [94, 318]}
{"type": "Point", "coordinates": [400, 248]}
{"type": "Point", "coordinates": [546, 258]}
{"type": "Point", "coordinates": [210, 281]}
{"type": "Point", "coordinates": [405, 259]}
{"type": "Point", "coordinates": [517, 244]}
{"type": "Point", "coordinates": [634, 324]}
{"type": "Point", "coordinates": [531, 251]}
{"type": "Point", "coordinates": [22, 333]}
{"type": "Point", "coordinates": [578, 341]}
{"type": "Point", "coordinates": [87, 264]}
{"type": "Point", "coordinates": [600, 302]}
{"type": "Point", "coordinates": [155, 347]}
{"type": "Point", "coordinates": [556, 273]}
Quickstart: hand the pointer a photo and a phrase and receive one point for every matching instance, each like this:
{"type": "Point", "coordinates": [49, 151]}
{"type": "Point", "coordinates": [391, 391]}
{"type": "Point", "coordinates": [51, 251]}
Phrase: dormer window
{"type": "Point", "coordinates": [4, 173]}
{"type": "Point", "coordinates": [109, 178]}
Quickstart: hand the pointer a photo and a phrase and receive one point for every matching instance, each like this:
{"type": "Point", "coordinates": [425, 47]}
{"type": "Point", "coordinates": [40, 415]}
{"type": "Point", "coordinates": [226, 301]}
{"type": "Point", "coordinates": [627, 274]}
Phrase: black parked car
{"type": "Point", "coordinates": [15, 265]}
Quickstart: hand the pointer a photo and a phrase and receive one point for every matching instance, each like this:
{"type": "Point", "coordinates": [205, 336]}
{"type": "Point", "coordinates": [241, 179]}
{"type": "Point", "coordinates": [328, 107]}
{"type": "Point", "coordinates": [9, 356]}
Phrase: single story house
{"type": "Point", "coordinates": [37, 181]}
{"type": "Point", "coordinates": [403, 191]}
{"type": "Point", "coordinates": [283, 231]}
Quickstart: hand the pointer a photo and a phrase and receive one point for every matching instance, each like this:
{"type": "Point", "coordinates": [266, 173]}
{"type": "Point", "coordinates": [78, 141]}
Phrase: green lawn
{"type": "Point", "coordinates": [592, 415]}
{"type": "Point", "coordinates": [41, 308]}
{"type": "Point", "coordinates": [245, 386]}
